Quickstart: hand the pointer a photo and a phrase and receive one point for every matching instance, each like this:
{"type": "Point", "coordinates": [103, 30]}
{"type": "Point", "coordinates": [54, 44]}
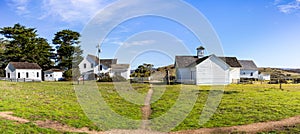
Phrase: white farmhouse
{"type": "Point", "coordinates": [90, 65]}
{"type": "Point", "coordinates": [23, 71]}
{"type": "Point", "coordinates": [249, 70]}
{"type": "Point", "coordinates": [207, 70]}
{"type": "Point", "coordinates": [53, 75]}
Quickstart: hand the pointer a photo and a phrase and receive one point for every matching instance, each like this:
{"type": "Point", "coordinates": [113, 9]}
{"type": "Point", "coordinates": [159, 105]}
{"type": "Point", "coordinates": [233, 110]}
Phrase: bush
{"type": "Point", "coordinates": [104, 78]}
{"type": "Point", "coordinates": [118, 78]}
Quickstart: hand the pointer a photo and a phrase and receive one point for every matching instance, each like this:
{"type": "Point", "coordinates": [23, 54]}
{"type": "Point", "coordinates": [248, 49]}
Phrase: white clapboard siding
{"type": "Point", "coordinates": [212, 71]}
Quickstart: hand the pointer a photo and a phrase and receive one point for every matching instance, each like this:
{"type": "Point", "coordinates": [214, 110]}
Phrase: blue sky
{"type": "Point", "coordinates": [266, 31]}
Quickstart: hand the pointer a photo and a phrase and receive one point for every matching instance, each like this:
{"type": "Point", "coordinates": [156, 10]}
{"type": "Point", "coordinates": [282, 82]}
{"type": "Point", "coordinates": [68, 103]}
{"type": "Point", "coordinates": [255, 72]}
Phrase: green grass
{"type": "Point", "coordinates": [241, 104]}
{"type": "Point", "coordinates": [57, 101]}
{"type": "Point", "coordinates": [10, 127]}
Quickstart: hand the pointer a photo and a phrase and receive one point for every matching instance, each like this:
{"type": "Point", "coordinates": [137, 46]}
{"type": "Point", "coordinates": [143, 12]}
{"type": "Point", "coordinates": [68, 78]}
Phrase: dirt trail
{"type": "Point", "coordinates": [146, 110]}
{"type": "Point", "coordinates": [49, 124]}
{"type": "Point", "coordinates": [249, 129]}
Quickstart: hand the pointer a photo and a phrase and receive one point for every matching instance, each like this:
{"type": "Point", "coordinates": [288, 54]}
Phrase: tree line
{"type": "Point", "coordinates": [22, 44]}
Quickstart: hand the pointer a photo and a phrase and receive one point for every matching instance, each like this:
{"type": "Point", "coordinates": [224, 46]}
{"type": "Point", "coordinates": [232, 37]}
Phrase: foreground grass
{"type": "Point", "coordinates": [57, 101]}
{"type": "Point", "coordinates": [241, 104]}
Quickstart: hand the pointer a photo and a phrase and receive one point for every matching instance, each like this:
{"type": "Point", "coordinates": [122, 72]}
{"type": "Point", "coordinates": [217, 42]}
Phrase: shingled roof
{"type": "Point", "coordinates": [25, 65]}
{"type": "Point", "coordinates": [105, 62]}
{"type": "Point", "coordinates": [231, 61]}
{"type": "Point", "coordinates": [190, 61]}
{"type": "Point", "coordinates": [248, 65]}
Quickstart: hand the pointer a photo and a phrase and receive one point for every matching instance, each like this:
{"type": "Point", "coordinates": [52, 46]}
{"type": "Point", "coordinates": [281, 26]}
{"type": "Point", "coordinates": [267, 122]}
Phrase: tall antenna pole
{"type": "Point", "coordinates": [99, 51]}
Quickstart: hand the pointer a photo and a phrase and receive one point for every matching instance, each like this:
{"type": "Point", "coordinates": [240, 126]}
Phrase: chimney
{"type": "Point", "coordinates": [200, 51]}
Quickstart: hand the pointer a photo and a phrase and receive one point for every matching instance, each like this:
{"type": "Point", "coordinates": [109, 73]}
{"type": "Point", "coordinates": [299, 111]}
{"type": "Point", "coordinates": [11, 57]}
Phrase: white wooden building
{"type": "Point", "coordinates": [249, 69]}
{"type": "Point", "coordinates": [23, 71]}
{"type": "Point", "coordinates": [90, 65]}
{"type": "Point", "coordinates": [53, 75]}
{"type": "Point", "coordinates": [207, 70]}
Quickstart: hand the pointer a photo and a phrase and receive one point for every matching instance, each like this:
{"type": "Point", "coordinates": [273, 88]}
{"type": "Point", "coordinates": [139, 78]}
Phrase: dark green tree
{"type": "Point", "coordinates": [67, 42]}
{"type": "Point", "coordinates": [69, 53]}
{"type": "Point", "coordinates": [23, 45]}
{"type": "Point", "coordinates": [143, 70]}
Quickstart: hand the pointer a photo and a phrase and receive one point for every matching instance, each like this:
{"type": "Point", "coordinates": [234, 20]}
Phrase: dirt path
{"type": "Point", "coordinates": [251, 128]}
{"type": "Point", "coordinates": [48, 124]}
{"type": "Point", "coordinates": [146, 110]}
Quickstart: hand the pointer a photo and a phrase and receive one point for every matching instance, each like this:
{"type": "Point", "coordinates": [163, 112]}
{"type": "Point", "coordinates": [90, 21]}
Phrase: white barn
{"type": "Point", "coordinates": [207, 70]}
{"type": "Point", "coordinates": [249, 69]}
{"type": "Point", "coordinates": [23, 71]}
{"type": "Point", "coordinates": [53, 75]}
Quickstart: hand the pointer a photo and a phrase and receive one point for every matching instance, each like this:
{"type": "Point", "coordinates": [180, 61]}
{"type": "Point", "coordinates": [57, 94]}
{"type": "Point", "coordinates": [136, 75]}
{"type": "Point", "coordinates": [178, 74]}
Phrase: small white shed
{"type": "Point", "coordinates": [53, 75]}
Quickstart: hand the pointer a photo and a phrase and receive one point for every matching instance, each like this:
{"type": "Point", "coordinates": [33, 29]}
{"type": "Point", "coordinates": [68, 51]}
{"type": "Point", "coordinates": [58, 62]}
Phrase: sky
{"type": "Point", "coordinates": [266, 31]}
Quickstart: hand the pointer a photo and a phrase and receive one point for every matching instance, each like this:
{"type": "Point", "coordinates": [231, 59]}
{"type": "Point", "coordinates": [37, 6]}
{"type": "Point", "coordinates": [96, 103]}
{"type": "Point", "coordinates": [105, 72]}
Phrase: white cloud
{"type": "Point", "coordinates": [139, 43]}
{"type": "Point", "coordinates": [20, 6]}
{"type": "Point", "coordinates": [72, 10]}
{"type": "Point", "coordinates": [287, 8]}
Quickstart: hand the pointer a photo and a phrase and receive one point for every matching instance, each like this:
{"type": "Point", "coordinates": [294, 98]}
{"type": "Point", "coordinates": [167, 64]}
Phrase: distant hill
{"type": "Point", "coordinates": [277, 73]}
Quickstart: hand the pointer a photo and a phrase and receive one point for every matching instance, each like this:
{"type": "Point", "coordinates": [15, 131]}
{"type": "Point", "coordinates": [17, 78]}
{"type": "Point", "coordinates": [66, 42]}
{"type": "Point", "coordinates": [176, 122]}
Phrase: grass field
{"type": "Point", "coordinates": [241, 104]}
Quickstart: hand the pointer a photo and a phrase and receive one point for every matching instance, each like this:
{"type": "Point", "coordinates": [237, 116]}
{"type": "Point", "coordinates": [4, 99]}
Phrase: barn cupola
{"type": "Point", "coordinates": [200, 51]}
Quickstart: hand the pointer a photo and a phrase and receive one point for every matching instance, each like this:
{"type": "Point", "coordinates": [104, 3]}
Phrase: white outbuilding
{"type": "Point", "coordinates": [207, 70]}
{"type": "Point", "coordinates": [23, 71]}
{"type": "Point", "coordinates": [53, 75]}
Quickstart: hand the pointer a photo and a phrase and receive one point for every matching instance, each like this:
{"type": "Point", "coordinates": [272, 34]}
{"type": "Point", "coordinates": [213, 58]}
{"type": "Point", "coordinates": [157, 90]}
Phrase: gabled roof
{"type": "Point", "coordinates": [231, 61]}
{"type": "Point", "coordinates": [119, 66]}
{"type": "Point", "coordinates": [248, 65]}
{"type": "Point", "coordinates": [24, 65]}
{"type": "Point", "coordinates": [190, 61]}
{"type": "Point", "coordinates": [105, 62]}
{"type": "Point", "coordinates": [185, 61]}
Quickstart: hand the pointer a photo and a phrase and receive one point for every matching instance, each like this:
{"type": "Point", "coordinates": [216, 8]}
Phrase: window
{"type": "Point", "coordinates": [8, 75]}
{"type": "Point", "coordinates": [46, 75]}
{"type": "Point", "coordinates": [92, 65]}
{"type": "Point", "coordinates": [100, 67]}
{"type": "Point", "coordinates": [19, 75]}
{"type": "Point", "coordinates": [38, 75]}
{"type": "Point", "coordinates": [251, 74]}
{"type": "Point", "coordinates": [84, 65]}
{"type": "Point", "coordinates": [27, 75]}
{"type": "Point", "coordinates": [50, 75]}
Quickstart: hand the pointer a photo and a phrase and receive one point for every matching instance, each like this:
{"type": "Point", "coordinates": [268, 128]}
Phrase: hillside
{"type": "Point", "coordinates": [277, 73]}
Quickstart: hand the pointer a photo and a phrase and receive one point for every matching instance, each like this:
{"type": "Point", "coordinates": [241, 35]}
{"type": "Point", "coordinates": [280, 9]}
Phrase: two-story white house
{"type": "Point", "coordinates": [90, 65]}
{"type": "Point", "coordinates": [23, 71]}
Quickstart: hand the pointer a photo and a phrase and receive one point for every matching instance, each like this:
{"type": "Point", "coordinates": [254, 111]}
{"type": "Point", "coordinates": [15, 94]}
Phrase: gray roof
{"type": "Point", "coordinates": [190, 61]}
{"type": "Point", "coordinates": [25, 65]}
{"type": "Point", "coordinates": [120, 66]}
{"type": "Point", "coordinates": [105, 62]}
{"type": "Point", "coordinates": [231, 61]}
{"type": "Point", "coordinates": [248, 65]}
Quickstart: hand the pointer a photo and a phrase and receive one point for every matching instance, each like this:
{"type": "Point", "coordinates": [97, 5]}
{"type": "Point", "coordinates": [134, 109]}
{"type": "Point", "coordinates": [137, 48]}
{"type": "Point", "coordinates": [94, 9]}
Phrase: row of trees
{"type": "Point", "coordinates": [22, 44]}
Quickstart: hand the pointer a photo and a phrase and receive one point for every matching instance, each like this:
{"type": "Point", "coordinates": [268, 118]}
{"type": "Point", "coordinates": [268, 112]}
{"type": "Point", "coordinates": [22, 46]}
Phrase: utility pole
{"type": "Point", "coordinates": [98, 51]}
